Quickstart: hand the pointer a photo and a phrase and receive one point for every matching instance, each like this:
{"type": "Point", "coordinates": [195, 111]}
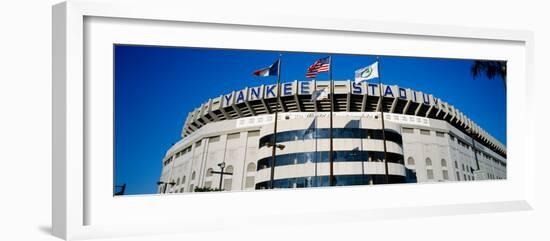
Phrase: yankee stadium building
{"type": "Point", "coordinates": [427, 140]}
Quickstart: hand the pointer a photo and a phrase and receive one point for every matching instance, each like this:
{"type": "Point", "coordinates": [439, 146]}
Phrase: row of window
{"type": "Point", "coordinates": [323, 156]}
{"type": "Point", "coordinates": [180, 153]}
{"type": "Point", "coordinates": [320, 133]}
{"type": "Point", "coordinates": [445, 174]}
{"type": "Point", "coordinates": [492, 176]}
{"type": "Point", "coordinates": [452, 138]}
{"type": "Point", "coordinates": [167, 161]}
{"type": "Point", "coordinates": [463, 144]}
{"type": "Point", "coordinates": [410, 161]}
{"type": "Point", "coordinates": [422, 132]}
{"type": "Point", "coordinates": [323, 181]}
{"type": "Point", "coordinates": [212, 139]}
{"type": "Point", "coordinates": [489, 157]}
{"type": "Point", "coordinates": [430, 174]}
{"type": "Point", "coordinates": [249, 182]}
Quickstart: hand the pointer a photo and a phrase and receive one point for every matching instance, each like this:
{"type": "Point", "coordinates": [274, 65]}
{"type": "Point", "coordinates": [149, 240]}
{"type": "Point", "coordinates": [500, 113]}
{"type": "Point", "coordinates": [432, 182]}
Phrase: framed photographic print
{"type": "Point", "coordinates": [230, 120]}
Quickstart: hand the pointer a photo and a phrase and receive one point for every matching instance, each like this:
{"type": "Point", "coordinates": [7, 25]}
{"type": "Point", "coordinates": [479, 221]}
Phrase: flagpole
{"type": "Point", "coordinates": [318, 180]}
{"type": "Point", "coordinates": [274, 147]}
{"type": "Point", "coordinates": [332, 98]}
{"type": "Point", "coordinates": [382, 117]}
{"type": "Point", "coordinates": [361, 150]}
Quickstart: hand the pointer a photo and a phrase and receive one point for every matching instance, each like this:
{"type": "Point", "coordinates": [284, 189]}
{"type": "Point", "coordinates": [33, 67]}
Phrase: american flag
{"type": "Point", "coordinates": [321, 65]}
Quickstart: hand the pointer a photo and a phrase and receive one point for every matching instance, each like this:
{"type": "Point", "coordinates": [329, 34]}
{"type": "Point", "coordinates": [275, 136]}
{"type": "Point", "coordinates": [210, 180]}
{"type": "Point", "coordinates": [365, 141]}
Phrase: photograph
{"type": "Point", "coordinates": [197, 119]}
{"type": "Point", "coordinates": [289, 120]}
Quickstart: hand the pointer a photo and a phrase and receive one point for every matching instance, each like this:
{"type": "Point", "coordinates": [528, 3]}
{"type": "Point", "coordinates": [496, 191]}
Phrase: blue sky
{"type": "Point", "coordinates": [156, 87]}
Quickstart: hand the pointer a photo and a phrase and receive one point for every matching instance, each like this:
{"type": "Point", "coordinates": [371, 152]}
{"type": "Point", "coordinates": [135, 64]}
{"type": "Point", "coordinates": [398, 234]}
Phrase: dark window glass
{"type": "Point", "coordinates": [425, 132]}
{"type": "Point", "coordinates": [319, 181]}
{"type": "Point", "coordinates": [323, 156]}
{"type": "Point", "coordinates": [338, 133]}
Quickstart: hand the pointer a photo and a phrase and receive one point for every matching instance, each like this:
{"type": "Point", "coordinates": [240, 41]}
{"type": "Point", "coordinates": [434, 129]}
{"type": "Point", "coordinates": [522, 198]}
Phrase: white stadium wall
{"type": "Point", "coordinates": [428, 140]}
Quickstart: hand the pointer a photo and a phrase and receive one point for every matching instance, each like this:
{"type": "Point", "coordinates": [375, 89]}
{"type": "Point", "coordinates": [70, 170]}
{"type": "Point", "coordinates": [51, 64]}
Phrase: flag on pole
{"type": "Point", "coordinates": [321, 65]}
{"type": "Point", "coordinates": [272, 70]}
{"type": "Point", "coordinates": [366, 73]}
{"type": "Point", "coordinates": [319, 95]}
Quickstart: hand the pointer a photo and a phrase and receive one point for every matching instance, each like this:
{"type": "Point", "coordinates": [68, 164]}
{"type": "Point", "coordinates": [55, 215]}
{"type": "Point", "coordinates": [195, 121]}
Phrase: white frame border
{"type": "Point", "coordinates": [68, 96]}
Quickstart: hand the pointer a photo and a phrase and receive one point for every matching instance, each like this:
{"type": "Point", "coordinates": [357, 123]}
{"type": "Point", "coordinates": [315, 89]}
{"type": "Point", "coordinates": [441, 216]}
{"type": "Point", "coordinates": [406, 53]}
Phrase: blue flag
{"type": "Point", "coordinates": [272, 70]}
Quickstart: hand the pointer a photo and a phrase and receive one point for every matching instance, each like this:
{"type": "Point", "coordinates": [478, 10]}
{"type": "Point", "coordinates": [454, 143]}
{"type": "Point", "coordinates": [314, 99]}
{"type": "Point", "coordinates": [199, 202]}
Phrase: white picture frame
{"type": "Point", "coordinates": [75, 200]}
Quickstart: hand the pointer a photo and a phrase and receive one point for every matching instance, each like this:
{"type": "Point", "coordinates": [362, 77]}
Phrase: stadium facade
{"type": "Point", "coordinates": [427, 139]}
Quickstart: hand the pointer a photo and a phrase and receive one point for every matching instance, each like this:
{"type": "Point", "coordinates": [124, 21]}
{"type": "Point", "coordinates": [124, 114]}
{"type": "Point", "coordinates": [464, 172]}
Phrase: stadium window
{"type": "Point", "coordinates": [440, 134]}
{"type": "Point", "coordinates": [229, 169]}
{"type": "Point", "coordinates": [182, 189]}
{"type": "Point", "coordinates": [443, 163]}
{"type": "Point", "coordinates": [463, 168]}
{"type": "Point", "coordinates": [233, 136]}
{"type": "Point", "coordinates": [178, 181]}
{"type": "Point", "coordinates": [445, 175]}
{"type": "Point", "coordinates": [251, 167]}
{"type": "Point", "coordinates": [424, 132]}
{"type": "Point", "coordinates": [410, 161]}
{"type": "Point", "coordinates": [465, 177]}
{"type": "Point", "coordinates": [191, 188]}
{"type": "Point", "coordinates": [193, 175]}
{"type": "Point", "coordinates": [408, 130]}
{"type": "Point", "coordinates": [209, 172]}
{"type": "Point", "coordinates": [183, 180]}
{"type": "Point", "coordinates": [249, 183]}
{"type": "Point", "coordinates": [458, 176]}
{"type": "Point", "coordinates": [430, 173]}
{"type": "Point", "coordinates": [456, 164]}
{"type": "Point", "coordinates": [253, 133]}
{"type": "Point", "coordinates": [428, 161]}
{"type": "Point", "coordinates": [214, 139]}
{"type": "Point", "coordinates": [228, 181]}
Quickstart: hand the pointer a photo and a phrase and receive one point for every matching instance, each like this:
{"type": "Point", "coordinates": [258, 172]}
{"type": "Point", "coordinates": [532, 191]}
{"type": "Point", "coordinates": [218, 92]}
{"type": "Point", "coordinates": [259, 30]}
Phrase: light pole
{"type": "Point", "coordinates": [222, 166]}
{"type": "Point", "coordinates": [471, 135]}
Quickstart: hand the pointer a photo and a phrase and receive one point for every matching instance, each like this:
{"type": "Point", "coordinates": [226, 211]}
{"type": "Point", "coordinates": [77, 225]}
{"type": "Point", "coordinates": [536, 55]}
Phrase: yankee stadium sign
{"type": "Point", "coordinates": [340, 87]}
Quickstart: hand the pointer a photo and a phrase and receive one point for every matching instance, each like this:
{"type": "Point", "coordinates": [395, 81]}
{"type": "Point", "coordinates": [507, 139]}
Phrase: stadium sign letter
{"type": "Point", "coordinates": [388, 91]}
{"type": "Point", "coordinates": [372, 87]}
{"type": "Point", "coordinates": [240, 97]}
{"type": "Point", "coordinates": [304, 87]}
{"type": "Point", "coordinates": [356, 88]}
{"type": "Point", "coordinates": [255, 93]}
{"type": "Point", "coordinates": [426, 98]}
{"type": "Point", "coordinates": [227, 99]}
{"type": "Point", "coordinates": [287, 89]}
{"type": "Point", "coordinates": [269, 91]}
{"type": "Point", "coordinates": [402, 93]}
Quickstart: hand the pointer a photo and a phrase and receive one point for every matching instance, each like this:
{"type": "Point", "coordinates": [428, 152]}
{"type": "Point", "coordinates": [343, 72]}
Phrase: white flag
{"type": "Point", "coordinates": [366, 73]}
{"type": "Point", "coordinates": [319, 95]}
